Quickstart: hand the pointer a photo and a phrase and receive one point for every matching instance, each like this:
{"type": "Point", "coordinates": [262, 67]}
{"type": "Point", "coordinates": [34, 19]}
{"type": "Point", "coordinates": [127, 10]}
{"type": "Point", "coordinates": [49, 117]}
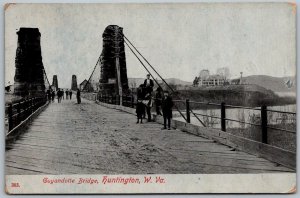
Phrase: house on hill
{"type": "Point", "coordinates": [205, 79]}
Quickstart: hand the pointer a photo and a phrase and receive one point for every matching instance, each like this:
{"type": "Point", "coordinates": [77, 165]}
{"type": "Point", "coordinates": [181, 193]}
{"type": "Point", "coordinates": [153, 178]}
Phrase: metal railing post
{"type": "Point", "coordinates": [10, 117]}
{"type": "Point", "coordinates": [223, 117]}
{"type": "Point", "coordinates": [264, 125]}
{"type": "Point", "coordinates": [188, 114]}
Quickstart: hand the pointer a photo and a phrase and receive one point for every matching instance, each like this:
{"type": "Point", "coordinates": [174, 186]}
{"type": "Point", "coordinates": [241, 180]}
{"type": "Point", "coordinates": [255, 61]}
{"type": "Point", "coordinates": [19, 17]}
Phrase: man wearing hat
{"type": "Point", "coordinates": [148, 83]}
{"type": "Point", "coordinates": [167, 104]}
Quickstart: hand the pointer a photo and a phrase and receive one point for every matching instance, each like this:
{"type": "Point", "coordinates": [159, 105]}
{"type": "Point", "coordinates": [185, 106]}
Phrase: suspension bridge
{"type": "Point", "coordinates": [100, 135]}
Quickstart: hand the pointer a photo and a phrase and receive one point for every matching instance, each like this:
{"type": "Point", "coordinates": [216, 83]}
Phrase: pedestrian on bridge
{"type": "Point", "coordinates": [148, 86]}
{"type": "Point", "coordinates": [167, 104]}
{"type": "Point", "coordinates": [59, 95]}
{"type": "Point", "coordinates": [48, 94]}
{"type": "Point", "coordinates": [70, 93]}
{"type": "Point", "coordinates": [141, 96]}
{"type": "Point", "coordinates": [53, 95]}
{"type": "Point", "coordinates": [78, 96]}
{"type": "Point", "coordinates": [140, 110]}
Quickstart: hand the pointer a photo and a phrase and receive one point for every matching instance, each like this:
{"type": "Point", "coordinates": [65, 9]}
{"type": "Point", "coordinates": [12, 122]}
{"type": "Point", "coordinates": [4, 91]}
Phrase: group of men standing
{"type": "Point", "coordinates": [145, 101]}
{"type": "Point", "coordinates": [60, 95]}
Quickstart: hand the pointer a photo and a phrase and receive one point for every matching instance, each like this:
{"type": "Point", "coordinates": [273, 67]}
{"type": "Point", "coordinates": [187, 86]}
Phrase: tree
{"type": "Point", "coordinates": [196, 82]}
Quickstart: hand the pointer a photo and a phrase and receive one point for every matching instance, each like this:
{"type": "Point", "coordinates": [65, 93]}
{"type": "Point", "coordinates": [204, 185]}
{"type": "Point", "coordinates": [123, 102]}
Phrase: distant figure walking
{"type": "Point", "coordinates": [78, 96]}
{"type": "Point", "coordinates": [140, 111]}
{"type": "Point", "coordinates": [67, 94]}
{"type": "Point", "coordinates": [59, 95]}
{"type": "Point", "coordinates": [62, 94]}
{"type": "Point", "coordinates": [158, 100]}
{"type": "Point", "coordinates": [141, 97]}
{"type": "Point", "coordinates": [70, 93]}
{"type": "Point", "coordinates": [167, 104]}
{"type": "Point", "coordinates": [52, 96]}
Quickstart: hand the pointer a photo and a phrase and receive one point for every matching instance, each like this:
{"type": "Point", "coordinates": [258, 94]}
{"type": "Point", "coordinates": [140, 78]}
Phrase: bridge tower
{"type": "Point", "coordinates": [113, 62]}
{"type": "Point", "coordinates": [29, 73]}
{"type": "Point", "coordinates": [55, 83]}
{"type": "Point", "coordinates": [74, 83]}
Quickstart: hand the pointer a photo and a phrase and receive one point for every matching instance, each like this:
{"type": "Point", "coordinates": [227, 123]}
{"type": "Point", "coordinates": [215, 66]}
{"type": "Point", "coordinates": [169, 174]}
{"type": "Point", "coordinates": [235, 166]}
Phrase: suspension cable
{"type": "Point", "coordinates": [152, 76]}
{"type": "Point", "coordinates": [47, 78]}
{"type": "Point", "coordinates": [159, 76]}
{"type": "Point", "coordinates": [92, 73]}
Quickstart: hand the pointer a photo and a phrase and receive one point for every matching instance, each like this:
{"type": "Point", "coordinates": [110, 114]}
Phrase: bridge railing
{"type": "Point", "coordinates": [18, 111]}
{"type": "Point", "coordinates": [255, 123]}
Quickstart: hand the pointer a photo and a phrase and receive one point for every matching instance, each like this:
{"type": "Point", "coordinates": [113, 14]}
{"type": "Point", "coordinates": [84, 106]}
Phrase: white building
{"type": "Point", "coordinates": [210, 80]}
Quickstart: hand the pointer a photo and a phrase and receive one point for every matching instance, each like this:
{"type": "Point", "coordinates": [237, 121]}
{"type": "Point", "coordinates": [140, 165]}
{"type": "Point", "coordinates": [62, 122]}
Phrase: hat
{"type": "Point", "coordinates": [148, 74]}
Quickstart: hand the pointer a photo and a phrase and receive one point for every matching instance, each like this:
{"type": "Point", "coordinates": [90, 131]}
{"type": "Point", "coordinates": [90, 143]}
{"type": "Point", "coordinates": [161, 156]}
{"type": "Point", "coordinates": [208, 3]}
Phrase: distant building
{"type": "Point", "coordinates": [205, 79]}
{"type": "Point", "coordinates": [212, 80]}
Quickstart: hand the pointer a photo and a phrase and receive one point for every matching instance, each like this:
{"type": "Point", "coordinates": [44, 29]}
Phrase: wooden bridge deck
{"type": "Point", "coordinates": [68, 138]}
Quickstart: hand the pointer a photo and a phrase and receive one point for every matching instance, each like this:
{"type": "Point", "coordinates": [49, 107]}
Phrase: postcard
{"type": "Point", "coordinates": [150, 98]}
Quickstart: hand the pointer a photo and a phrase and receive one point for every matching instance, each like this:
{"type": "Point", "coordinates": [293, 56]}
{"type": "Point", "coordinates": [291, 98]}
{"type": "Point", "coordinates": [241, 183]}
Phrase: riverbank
{"type": "Point", "coordinates": [242, 95]}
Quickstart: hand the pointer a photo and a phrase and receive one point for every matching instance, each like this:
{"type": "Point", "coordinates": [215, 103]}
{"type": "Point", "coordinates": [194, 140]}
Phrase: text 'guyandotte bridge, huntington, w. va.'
{"type": "Point", "coordinates": [95, 132]}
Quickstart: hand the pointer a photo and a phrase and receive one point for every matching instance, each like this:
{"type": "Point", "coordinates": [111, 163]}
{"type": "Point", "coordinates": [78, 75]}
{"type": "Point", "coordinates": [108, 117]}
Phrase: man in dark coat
{"type": "Point", "coordinates": [140, 92]}
{"type": "Point", "coordinates": [148, 84]}
{"type": "Point", "coordinates": [78, 96]}
{"type": "Point", "coordinates": [67, 94]}
{"type": "Point", "coordinates": [140, 110]}
{"type": "Point", "coordinates": [70, 93]}
{"type": "Point", "coordinates": [167, 104]}
{"type": "Point", "coordinates": [58, 93]}
{"type": "Point", "coordinates": [52, 95]}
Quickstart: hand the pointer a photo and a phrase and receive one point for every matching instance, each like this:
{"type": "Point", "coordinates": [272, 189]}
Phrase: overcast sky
{"type": "Point", "coordinates": [178, 39]}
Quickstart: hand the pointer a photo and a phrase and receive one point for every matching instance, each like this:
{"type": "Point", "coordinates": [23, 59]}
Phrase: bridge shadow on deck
{"type": "Point", "coordinates": [87, 138]}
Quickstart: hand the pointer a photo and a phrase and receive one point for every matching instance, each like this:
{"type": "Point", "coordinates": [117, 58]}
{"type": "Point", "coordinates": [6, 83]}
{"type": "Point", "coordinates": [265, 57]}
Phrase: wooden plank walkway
{"type": "Point", "coordinates": [68, 138]}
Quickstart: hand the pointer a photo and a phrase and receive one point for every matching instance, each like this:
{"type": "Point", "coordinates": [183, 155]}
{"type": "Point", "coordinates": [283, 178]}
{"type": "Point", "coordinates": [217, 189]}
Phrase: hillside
{"type": "Point", "coordinates": [275, 84]}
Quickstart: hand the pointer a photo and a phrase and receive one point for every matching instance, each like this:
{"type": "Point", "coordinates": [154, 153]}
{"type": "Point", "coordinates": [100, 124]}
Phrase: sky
{"type": "Point", "coordinates": [179, 40]}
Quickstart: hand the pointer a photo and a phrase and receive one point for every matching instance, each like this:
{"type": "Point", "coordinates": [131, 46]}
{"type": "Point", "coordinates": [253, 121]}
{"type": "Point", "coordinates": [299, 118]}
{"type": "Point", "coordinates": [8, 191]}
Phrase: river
{"type": "Point", "coordinates": [244, 115]}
